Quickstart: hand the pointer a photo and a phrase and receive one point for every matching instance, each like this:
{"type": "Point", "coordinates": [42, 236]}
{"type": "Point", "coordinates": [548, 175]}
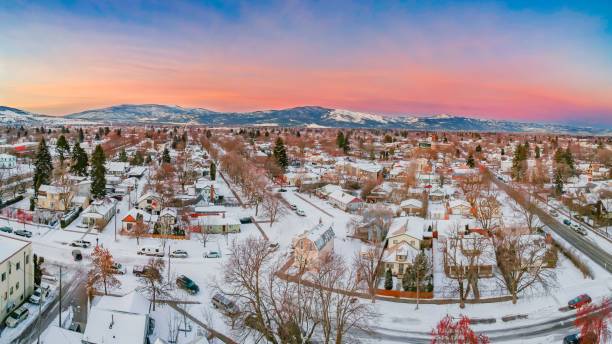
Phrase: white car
{"type": "Point", "coordinates": [300, 212]}
{"type": "Point", "coordinates": [40, 294]}
{"type": "Point", "coordinates": [17, 316]}
{"type": "Point", "coordinates": [80, 243]}
{"type": "Point", "coordinates": [119, 269]}
{"type": "Point", "coordinates": [179, 254]}
{"type": "Point", "coordinates": [293, 207]}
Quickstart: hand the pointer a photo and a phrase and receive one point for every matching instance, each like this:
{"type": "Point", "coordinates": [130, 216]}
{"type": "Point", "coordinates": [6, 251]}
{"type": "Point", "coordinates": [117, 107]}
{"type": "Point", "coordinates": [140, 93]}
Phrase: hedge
{"type": "Point", "coordinates": [11, 201]}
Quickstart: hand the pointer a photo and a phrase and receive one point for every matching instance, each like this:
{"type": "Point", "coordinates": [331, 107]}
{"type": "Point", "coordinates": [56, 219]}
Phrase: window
{"type": "Point", "coordinates": [10, 269]}
{"type": "Point", "coordinates": [11, 290]}
{"type": "Point", "coordinates": [18, 266]}
{"type": "Point", "coordinates": [17, 286]}
{"type": "Point", "coordinates": [3, 276]}
{"type": "Point", "coordinates": [28, 259]}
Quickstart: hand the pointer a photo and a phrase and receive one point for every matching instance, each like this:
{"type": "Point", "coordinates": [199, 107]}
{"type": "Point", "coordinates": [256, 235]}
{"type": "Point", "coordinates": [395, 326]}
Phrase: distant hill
{"type": "Point", "coordinates": [305, 116]}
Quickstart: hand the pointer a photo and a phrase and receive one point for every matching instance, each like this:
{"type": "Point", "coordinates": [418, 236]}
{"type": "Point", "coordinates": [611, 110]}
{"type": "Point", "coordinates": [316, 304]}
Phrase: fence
{"type": "Point", "coordinates": [405, 294]}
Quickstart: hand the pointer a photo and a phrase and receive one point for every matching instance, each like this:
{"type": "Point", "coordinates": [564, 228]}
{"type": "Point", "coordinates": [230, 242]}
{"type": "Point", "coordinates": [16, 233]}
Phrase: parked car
{"type": "Point", "coordinates": [572, 339]}
{"type": "Point", "coordinates": [151, 251]}
{"type": "Point", "coordinates": [293, 207]}
{"type": "Point", "coordinates": [226, 305]}
{"type": "Point", "coordinates": [23, 233]}
{"type": "Point", "coordinates": [567, 222]}
{"type": "Point", "coordinates": [554, 213]}
{"type": "Point", "coordinates": [80, 243]}
{"type": "Point", "coordinates": [179, 254]}
{"type": "Point", "coordinates": [579, 301]}
{"type": "Point", "coordinates": [300, 212]}
{"type": "Point", "coordinates": [246, 220]}
{"type": "Point", "coordinates": [186, 283]}
{"type": "Point", "coordinates": [118, 269]}
{"type": "Point", "coordinates": [212, 254]}
{"type": "Point", "coordinates": [6, 229]}
{"type": "Point", "coordinates": [17, 316]}
{"type": "Point", "coordinates": [580, 230]}
{"type": "Point", "coordinates": [77, 255]}
{"type": "Point", "coordinates": [282, 190]}
{"type": "Point", "coordinates": [40, 294]}
{"type": "Point", "coordinates": [139, 270]}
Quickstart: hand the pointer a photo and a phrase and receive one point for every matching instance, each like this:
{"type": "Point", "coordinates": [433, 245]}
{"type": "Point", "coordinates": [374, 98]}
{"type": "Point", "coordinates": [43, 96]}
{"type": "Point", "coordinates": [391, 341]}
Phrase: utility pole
{"type": "Point", "coordinates": [40, 301]}
{"type": "Point", "coordinates": [60, 296]}
{"type": "Point", "coordinates": [115, 216]}
{"type": "Point", "coordinates": [169, 250]}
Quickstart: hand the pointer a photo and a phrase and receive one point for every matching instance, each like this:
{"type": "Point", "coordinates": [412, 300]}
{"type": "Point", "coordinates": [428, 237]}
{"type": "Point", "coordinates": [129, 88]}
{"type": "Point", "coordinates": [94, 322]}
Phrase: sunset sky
{"type": "Point", "coordinates": [520, 60]}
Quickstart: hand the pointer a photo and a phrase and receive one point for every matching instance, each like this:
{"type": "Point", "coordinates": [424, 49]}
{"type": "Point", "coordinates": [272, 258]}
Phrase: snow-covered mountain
{"type": "Point", "coordinates": [306, 116]}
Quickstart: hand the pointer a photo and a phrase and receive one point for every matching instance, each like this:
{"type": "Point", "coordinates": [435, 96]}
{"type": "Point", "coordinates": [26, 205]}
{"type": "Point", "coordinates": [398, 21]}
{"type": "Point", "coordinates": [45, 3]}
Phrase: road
{"type": "Point", "coordinates": [596, 253]}
{"type": "Point", "coordinates": [73, 294]}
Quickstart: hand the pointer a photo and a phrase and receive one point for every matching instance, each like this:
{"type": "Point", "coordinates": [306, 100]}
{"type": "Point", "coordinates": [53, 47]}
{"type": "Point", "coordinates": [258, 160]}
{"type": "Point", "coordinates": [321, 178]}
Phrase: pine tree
{"type": "Point", "coordinates": [62, 148]}
{"type": "Point", "coordinates": [43, 167]}
{"type": "Point", "coordinates": [503, 152]}
{"type": "Point", "coordinates": [388, 280]}
{"type": "Point", "coordinates": [80, 161]}
{"type": "Point", "coordinates": [81, 135]}
{"type": "Point", "coordinates": [537, 152]}
{"type": "Point", "coordinates": [470, 161]}
{"type": "Point", "coordinates": [213, 171]}
{"type": "Point", "coordinates": [123, 155]}
{"type": "Point", "coordinates": [347, 144]}
{"type": "Point", "coordinates": [340, 139]}
{"type": "Point", "coordinates": [478, 149]}
{"type": "Point", "coordinates": [280, 154]}
{"type": "Point", "coordinates": [138, 159]}
{"type": "Point", "coordinates": [558, 183]}
{"type": "Point", "coordinates": [98, 172]}
{"type": "Point", "coordinates": [166, 156]}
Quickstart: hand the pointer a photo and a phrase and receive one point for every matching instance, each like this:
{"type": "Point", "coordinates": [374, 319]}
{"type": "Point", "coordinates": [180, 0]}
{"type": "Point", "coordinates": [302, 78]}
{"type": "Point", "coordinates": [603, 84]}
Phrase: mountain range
{"type": "Point", "coordinates": [305, 116]}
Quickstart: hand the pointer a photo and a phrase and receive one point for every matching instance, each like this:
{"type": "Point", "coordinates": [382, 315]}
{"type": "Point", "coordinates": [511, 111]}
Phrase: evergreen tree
{"type": "Point", "coordinates": [98, 173]}
{"type": "Point", "coordinates": [558, 183]}
{"type": "Point", "coordinates": [213, 171]}
{"type": "Point", "coordinates": [80, 161]}
{"type": "Point", "coordinates": [340, 139]}
{"type": "Point", "coordinates": [37, 270]}
{"type": "Point", "coordinates": [123, 155]}
{"type": "Point", "coordinates": [478, 149]}
{"type": "Point", "coordinates": [537, 152]}
{"type": "Point", "coordinates": [81, 135]}
{"type": "Point", "coordinates": [388, 280]}
{"type": "Point", "coordinates": [166, 156]}
{"type": "Point", "coordinates": [43, 167]}
{"type": "Point", "coordinates": [503, 152]}
{"type": "Point", "coordinates": [518, 163]}
{"type": "Point", "coordinates": [470, 161]}
{"type": "Point", "coordinates": [62, 148]}
{"type": "Point", "coordinates": [138, 159]}
{"type": "Point", "coordinates": [280, 153]}
{"type": "Point", "coordinates": [347, 144]}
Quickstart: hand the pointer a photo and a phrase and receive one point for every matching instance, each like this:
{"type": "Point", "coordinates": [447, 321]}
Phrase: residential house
{"type": "Point", "coordinates": [412, 207]}
{"type": "Point", "coordinates": [345, 201]}
{"type": "Point", "coordinates": [469, 251]}
{"type": "Point", "coordinates": [150, 202]}
{"type": "Point", "coordinates": [134, 216]}
{"type": "Point", "coordinates": [312, 246]}
{"type": "Point", "coordinates": [117, 168]}
{"type": "Point", "coordinates": [404, 241]}
{"type": "Point", "coordinates": [459, 207]}
{"type": "Point", "coordinates": [168, 219]}
{"type": "Point", "coordinates": [99, 213]}
{"type": "Point", "coordinates": [218, 224]}
{"type": "Point", "coordinates": [54, 198]}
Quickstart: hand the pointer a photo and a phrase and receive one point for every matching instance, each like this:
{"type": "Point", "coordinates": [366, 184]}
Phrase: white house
{"type": "Point", "coordinates": [460, 207]}
{"type": "Point", "coordinates": [345, 201]}
{"type": "Point", "coordinates": [99, 213]}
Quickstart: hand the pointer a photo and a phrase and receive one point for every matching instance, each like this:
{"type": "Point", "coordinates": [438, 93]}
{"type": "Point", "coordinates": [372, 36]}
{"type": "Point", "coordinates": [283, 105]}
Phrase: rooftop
{"type": "Point", "coordinates": [10, 246]}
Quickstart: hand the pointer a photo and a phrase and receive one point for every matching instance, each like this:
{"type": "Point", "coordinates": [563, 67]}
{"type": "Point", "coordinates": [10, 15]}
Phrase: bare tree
{"type": "Point", "coordinates": [272, 206]}
{"type": "Point", "coordinates": [366, 265]}
{"type": "Point", "coordinates": [522, 262]}
{"type": "Point", "coordinates": [487, 207]}
{"type": "Point", "coordinates": [139, 230]}
{"type": "Point", "coordinates": [462, 260]}
{"type": "Point", "coordinates": [271, 308]}
{"type": "Point", "coordinates": [526, 210]}
{"type": "Point", "coordinates": [338, 311]}
{"type": "Point", "coordinates": [153, 281]}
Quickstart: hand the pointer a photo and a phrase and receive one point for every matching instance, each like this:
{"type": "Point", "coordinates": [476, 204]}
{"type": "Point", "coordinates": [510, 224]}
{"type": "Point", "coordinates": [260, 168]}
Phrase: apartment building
{"type": "Point", "coordinates": [16, 273]}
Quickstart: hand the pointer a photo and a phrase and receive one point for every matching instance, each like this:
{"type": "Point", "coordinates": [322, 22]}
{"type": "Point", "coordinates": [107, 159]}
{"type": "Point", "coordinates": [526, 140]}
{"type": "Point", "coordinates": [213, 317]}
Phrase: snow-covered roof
{"type": "Point", "coordinates": [107, 326]}
{"type": "Point", "coordinates": [401, 249]}
{"type": "Point", "coordinates": [132, 302]}
{"type": "Point", "coordinates": [10, 246]}
{"type": "Point", "coordinates": [320, 235]}
{"type": "Point", "coordinates": [458, 203]}
{"type": "Point", "coordinates": [411, 202]}
{"type": "Point", "coordinates": [116, 166]}
{"type": "Point", "coordinates": [218, 220]}
{"type": "Point", "coordinates": [410, 225]}
{"type": "Point", "coordinates": [343, 197]}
